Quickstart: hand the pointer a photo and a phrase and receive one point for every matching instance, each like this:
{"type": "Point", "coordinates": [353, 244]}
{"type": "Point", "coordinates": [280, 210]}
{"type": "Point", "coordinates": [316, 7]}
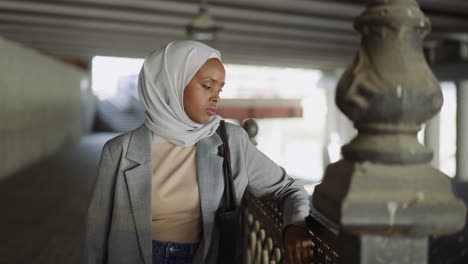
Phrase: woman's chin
{"type": "Point", "coordinates": [202, 122]}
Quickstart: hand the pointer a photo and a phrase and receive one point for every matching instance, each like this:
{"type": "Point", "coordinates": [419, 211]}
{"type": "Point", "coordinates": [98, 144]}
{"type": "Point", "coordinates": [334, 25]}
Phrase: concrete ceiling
{"type": "Point", "coordinates": [298, 33]}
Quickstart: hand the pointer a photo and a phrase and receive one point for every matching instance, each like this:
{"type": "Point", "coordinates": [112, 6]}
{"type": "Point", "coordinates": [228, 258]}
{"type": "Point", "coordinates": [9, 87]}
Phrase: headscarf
{"type": "Point", "coordinates": [163, 78]}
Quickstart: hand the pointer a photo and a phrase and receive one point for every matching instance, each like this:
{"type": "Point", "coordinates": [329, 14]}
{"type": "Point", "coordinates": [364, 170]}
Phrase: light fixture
{"type": "Point", "coordinates": [203, 26]}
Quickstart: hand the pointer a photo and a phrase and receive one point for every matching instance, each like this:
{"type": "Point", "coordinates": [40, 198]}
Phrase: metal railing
{"type": "Point", "coordinates": [262, 234]}
{"type": "Point", "coordinates": [262, 225]}
{"type": "Point", "coordinates": [262, 231]}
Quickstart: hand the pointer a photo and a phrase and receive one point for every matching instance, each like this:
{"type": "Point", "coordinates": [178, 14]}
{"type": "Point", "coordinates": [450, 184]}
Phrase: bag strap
{"type": "Point", "coordinates": [229, 195]}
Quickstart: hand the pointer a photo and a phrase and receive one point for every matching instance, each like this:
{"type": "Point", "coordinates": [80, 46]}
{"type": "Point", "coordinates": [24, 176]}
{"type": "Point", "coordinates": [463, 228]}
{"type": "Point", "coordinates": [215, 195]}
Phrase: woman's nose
{"type": "Point", "coordinates": [215, 98]}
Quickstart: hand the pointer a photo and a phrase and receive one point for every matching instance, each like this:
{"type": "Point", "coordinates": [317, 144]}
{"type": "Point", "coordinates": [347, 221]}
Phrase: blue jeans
{"type": "Point", "coordinates": [173, 253]}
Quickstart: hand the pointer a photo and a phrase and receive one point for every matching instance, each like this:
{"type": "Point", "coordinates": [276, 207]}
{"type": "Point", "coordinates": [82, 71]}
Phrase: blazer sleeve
{"type": "Point", "coordinates": [268, 180]}
{"type": "Point", "coordinates": [100, 211]}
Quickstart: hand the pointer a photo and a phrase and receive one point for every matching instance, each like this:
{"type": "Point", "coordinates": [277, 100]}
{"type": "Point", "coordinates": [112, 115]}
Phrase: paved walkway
{"type": "Point", "coordinates": [43, 207]}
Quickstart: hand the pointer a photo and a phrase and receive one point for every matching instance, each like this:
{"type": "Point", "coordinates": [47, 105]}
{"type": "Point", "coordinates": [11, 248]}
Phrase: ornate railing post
{"type": "Point", "coordinates": [385, 197]}
{"type": "Point", "coordinates": [251, 127]}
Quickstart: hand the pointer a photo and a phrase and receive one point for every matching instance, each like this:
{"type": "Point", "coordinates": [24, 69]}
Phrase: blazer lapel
{"type": "Point", "coordinates": [138, 180]}
{"type": "Point", "coordinates": [210, 182]}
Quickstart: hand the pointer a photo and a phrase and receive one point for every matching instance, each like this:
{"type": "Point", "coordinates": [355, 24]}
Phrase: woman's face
{"type": "Point", "coordinates": [201, 95]}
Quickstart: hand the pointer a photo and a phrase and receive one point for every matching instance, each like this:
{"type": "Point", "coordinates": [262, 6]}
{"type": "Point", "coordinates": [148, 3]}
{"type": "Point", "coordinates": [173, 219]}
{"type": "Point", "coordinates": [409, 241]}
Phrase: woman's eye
{"type": "Point", "coordinates": [206, 86]}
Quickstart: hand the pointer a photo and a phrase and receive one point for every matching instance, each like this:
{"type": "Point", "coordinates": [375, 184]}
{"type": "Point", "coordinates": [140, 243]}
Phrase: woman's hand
{"type": "Point", "coordinates": [297, 245]}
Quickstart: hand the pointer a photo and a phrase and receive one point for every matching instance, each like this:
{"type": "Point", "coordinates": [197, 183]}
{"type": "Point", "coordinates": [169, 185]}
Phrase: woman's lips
{"type": "Point", "coordinates": [211, 111]}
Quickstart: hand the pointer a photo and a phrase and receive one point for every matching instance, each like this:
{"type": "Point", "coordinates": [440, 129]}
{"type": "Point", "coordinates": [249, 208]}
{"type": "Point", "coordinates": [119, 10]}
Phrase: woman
{"type": "Point", "coordinates": [159, 186]}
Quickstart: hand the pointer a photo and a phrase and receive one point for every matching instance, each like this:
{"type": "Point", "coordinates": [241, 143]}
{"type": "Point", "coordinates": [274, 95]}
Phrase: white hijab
{"type": "Point", "coordinates": [163, 78]}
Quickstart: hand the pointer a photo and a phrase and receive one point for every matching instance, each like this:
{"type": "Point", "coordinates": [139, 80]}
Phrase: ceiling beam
{"type": "Point", "coordinates": [249, 39]}
{"type": "Point", "coordinates": [263, 30]}
{"type": "Point", "coordinates": [119, 16]}
{"type": "Point", "coordinates": [146, 44]}
{"type": "Point", "coordinates": [449, 6]}
{"type": "Point", "coordinates": [304, 7]}
{"type": "Point", "coordinates": [220, 13]}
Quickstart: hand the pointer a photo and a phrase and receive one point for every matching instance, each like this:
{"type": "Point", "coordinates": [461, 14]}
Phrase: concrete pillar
{"type": "Point", "coordinates": [462, 131]}
{"type": "Point", "coordinates": [432, 139]}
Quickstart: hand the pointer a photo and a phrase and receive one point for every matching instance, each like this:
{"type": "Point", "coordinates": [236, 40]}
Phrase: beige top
{"type": "Point", "coordinates": [176, 212]}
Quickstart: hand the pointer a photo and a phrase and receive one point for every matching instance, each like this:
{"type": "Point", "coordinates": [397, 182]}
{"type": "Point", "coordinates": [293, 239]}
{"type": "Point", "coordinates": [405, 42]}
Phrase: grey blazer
{"type": "Point", "coordinates": [119, 214]}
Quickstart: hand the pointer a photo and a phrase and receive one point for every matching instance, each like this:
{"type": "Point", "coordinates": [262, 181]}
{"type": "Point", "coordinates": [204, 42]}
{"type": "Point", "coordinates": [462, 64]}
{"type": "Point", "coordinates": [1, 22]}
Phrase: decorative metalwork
{"type": "Point", "coordinates": [262, 227]}
{"type": "Point", "coordinates": [262, 233]}
{"type": "Point", "coordinates": [323, 235]}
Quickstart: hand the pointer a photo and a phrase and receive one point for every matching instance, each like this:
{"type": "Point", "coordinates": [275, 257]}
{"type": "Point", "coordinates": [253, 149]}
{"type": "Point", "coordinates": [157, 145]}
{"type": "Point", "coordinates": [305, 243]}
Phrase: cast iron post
{"type": "Point", "coordinates": [383, 193]}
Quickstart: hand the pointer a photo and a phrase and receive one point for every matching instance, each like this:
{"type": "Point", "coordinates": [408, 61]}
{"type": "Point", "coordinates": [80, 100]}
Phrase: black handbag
{"type": "Point", "coordinates": [227, 216]}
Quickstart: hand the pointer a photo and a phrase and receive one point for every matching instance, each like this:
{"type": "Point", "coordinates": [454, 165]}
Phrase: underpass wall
{"type": "Point", "coordinates": [39, 106]}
